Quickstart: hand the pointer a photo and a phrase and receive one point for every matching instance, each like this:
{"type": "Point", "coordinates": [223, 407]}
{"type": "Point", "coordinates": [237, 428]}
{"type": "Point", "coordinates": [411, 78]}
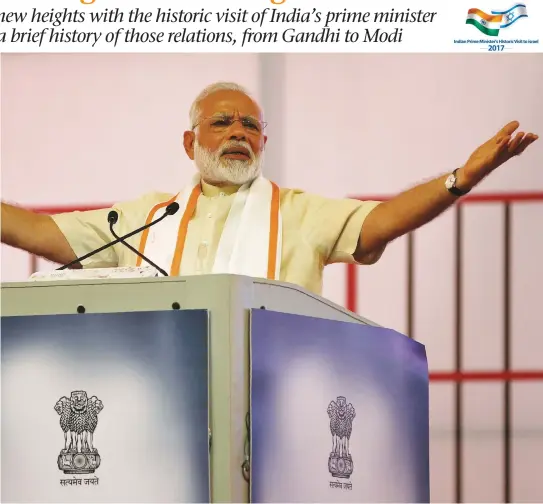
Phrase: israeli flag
{"type": "Point", "coordinates": [510, 15]}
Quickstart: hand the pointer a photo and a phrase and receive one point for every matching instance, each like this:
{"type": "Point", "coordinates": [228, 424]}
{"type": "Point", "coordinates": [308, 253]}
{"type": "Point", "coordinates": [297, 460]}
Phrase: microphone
{"type": "Point", "coordinates": [112, 218]}
{"type": "Point", "coordinates": [171, 209]}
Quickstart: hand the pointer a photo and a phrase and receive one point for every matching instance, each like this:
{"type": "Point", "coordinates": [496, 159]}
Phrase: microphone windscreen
{"type": "Point", "coordinates": [112, 217]}
{"type": "Point", "coordinates": [172, 208]}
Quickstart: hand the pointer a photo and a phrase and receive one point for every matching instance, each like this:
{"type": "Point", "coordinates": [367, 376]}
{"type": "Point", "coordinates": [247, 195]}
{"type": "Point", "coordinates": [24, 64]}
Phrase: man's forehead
{"type": "Point", "coordinates": [229, 102]}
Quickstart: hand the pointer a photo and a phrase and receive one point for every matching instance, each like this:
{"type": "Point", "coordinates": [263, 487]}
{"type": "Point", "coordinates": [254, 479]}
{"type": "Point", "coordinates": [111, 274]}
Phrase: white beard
{"type": "Point", "coordinates": [215, 169]}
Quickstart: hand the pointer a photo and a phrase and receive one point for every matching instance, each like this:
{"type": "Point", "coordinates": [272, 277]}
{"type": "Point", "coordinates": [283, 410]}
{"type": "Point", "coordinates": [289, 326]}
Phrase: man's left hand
{"type": "Point", "coordinates": [493, 153]}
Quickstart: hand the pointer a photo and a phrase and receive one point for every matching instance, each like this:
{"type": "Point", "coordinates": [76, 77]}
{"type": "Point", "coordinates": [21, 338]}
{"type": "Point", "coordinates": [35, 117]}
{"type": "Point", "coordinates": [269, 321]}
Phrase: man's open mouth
{"type": "Point", "coordinates": [237, 153]}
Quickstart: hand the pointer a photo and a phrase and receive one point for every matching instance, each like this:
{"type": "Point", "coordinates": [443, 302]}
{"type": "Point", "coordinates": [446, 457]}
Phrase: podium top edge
{"type": "Point", "coordinates": [189, 281]}
{"type": "Point", "coordinates": [157, 279]}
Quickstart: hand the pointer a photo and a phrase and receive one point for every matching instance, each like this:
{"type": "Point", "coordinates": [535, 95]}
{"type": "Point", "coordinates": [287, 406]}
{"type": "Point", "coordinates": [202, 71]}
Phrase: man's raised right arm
{"type": "Point", "coordinates": [35, 233]}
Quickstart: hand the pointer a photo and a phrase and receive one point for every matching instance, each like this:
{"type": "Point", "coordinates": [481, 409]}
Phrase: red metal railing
{"type": "Point", "coordinates": [505, 198]}
{"type": "Point", "coordinates": [459, 376]}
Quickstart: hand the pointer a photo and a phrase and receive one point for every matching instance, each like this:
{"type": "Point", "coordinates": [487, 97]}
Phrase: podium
{"type": "Point", "coordinates": [215, 388]}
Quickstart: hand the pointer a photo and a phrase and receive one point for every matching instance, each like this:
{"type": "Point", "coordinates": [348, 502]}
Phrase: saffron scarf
{"type": "Point", "coordinates": [250, 243]}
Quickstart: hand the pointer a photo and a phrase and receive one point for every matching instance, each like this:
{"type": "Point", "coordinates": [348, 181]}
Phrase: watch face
{"type": "Point", "coordinates": [449, 183]}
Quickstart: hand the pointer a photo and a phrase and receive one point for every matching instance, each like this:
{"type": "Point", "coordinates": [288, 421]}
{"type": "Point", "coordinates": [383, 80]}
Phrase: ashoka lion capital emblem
{"type": "Point", "coordinates": [340, 462]}
{"type": "Point", "coordinates": [78, 420]}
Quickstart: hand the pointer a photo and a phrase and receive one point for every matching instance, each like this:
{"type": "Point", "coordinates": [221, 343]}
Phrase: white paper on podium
{"type": "Point", "coordinates": [95, 273]}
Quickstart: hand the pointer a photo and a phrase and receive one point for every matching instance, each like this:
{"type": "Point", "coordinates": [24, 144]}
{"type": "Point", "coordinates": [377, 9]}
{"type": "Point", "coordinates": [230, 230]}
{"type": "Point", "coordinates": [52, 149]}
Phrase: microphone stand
{"type": "Point", "coordinates": [171, 209]}
{"type": "Point", "coordinates": [112, 218]}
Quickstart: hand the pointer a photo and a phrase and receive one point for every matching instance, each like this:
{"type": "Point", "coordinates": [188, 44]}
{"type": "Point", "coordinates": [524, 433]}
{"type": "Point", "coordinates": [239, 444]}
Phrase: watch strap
{"type": "Point", "coordinates": [455, 190]}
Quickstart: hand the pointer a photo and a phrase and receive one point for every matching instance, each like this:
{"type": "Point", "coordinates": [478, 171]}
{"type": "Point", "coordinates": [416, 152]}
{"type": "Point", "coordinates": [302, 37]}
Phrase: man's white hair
{"type": "Point", "coordinates": [213, 88]}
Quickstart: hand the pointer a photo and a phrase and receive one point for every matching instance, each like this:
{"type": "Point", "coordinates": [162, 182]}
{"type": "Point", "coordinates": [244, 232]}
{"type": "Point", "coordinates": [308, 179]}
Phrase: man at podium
{"type": "Point", "coordinates": [231, 219]}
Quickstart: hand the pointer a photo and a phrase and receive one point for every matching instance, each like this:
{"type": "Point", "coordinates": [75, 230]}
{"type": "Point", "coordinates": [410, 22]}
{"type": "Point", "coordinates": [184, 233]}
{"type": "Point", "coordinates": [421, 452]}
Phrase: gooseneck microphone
{"type": "Point", "coordinates": [112, 218]}
{"type": "Point", "coordinates": [171, 209]}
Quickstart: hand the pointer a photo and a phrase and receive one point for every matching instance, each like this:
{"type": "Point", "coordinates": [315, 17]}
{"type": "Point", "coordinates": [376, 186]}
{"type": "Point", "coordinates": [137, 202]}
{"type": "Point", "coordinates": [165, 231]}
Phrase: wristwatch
{"type": "Point", "coordinates": [450, 184]}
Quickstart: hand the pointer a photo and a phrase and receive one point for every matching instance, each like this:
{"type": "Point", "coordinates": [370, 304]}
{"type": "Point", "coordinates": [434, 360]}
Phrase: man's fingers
{"type": "Point", "coordinates": [527, 140]}
{"type": "Point", "coordinates": [508, 129]}
{"type": "Point", "coordinates": [503, 142]}
{"type": "Point", "coordinates": [513, 144]}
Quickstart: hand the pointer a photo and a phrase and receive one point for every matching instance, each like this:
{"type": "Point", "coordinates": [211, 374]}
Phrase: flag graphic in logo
{"type": "Point", "coordinates": [487, 23]}
{"type": "Point", "coordinates": [511, 15]}
{"type": "Point", "coordinates": [490, 24]}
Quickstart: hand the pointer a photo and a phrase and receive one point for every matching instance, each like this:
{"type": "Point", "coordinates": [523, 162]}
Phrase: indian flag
{"type": "Point", "coordinates": [487, 23]}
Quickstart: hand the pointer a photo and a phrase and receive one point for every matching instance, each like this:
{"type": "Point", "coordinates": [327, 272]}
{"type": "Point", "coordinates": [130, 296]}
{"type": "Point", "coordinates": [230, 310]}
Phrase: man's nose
{"type": "Point", "coordinates": [237, 131]}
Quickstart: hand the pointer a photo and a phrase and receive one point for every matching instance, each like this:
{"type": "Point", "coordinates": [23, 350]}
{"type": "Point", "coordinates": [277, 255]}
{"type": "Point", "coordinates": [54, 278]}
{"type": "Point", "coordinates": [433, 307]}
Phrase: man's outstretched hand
{"type": "Point", "coordinates": [419, 205]}
{"type": "Point", "coordinates": [496, 151]}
